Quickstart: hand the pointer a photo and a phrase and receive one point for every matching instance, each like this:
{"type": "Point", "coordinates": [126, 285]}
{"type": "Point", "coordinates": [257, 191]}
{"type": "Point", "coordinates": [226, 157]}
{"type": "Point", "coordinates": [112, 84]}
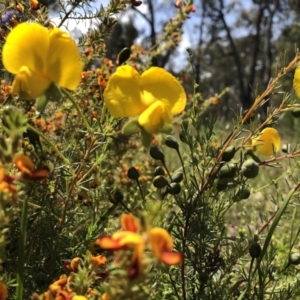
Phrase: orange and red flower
{"type": "Point", "coordinates": [157, 238]}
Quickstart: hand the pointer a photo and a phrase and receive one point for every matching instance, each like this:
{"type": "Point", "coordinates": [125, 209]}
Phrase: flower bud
{"type": "Point", "coordinates": [183, 138]}
{"type": "Point", "coordinates": [116, 196]}
{"type": "Point", "coordinates": [159, 171]}
{"type": "Point", "coordinates": [294, 259]}
{"type": "Point", "coordinates": [242, 194]}
{"type": "Point", "coordinates": [177, 177]}
{"type": "Point", "coordinates": [296, 112]}
{"type": "Point", "coordinates": [133, 173]}
{"type": "Point", "coordinates": [160, 182]}
{"type": "Point", "coordinates": [171, 142]}
{"type": "Point", "coordinates": [250, 168]}
{"type": "Point", "coordinates": [228, 170]}
{"type": "Point", "coordinates": [174, 188]}
{"type": "Point", "coordinates": [228, 153]}
{"type": "Point", "coordinates": [255, 250]}
{"type": "Point", "coordinates": [123, 56]}
{"type": "Point", "coordinates": [156, 153]}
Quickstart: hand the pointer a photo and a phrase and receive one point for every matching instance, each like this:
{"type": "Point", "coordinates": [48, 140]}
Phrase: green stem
{"type": "Point", "coordinates": [86, 123]}
{"type": "Point", "coordinates": [21, 251]}
{"type": "Point", "coordinates": [40, 134]}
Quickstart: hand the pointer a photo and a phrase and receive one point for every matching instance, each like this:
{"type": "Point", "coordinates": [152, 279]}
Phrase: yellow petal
{"type": "Point", "coordinates": [160, 241]}
{"type": "Point", "coordinates": [29, 84]}
{"type": "Point", "coordinates": [63, 60]}
{"type": "Point", "coordinates": [154, 117]}
{"type": "Point", "coordinates": [122, 94]}
{"type": "Point", "coordinates": [160, 85]}
{"type": "Point", "coordinates": [296, 82]}
{"type": "Point", "coordinates": [23, 163]}
{"type": "Point", "coordinates": [267, 142]}
{"type": "Point", "coordinates": [26, 45]}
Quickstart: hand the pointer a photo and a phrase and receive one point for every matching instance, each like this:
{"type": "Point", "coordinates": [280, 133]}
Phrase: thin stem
{"type": "Point", "coordinates": [86, 123]}
{"type": "Point", "coordinates": [40, 134]}
{"type": "Point", "coordinates": [21, 251]}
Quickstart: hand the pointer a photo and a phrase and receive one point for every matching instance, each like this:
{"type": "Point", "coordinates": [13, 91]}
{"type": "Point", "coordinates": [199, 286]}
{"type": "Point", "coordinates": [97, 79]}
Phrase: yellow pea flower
{"type": "Point", "coordinates": [296, 82]}
{"type": "Point", "coordinates": [39, 57]}
{"type": "Point", "coordinates": [267, 142]}
{"type": "Point", "coordinates": [154, 96]}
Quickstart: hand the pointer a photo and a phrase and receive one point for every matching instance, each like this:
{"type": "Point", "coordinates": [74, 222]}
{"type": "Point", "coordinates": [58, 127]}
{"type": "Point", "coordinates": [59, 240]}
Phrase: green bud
{"type": "Point", "coordinates": [203, 277]}
{"type": "Point", "coordinates": [159, 171]}
{"type": "Point", "coordinates": [174, 188]}
{"type": "Point", "coordinates": [116, 196]}
{"type": "Point", "coordinates": [296, 112]}
{"type": "Point", "coordinates": [294, 259]}
{"type": "Point", "coordinates": [228, 153]}
{"type": "Point", "coordinates": [177, 177]}
{"type": "Point", "coordinates": [131, 127]}
{"type": "Point", "coordinates": [133, 173]}
{"type": "Point", "coordinates": [182, 137]}
{"type": "Point", "coordinates": [171, 142]}
{"type": "Point", "coordinates": [286, 148]}
{"type": "Point", "coordinates": [160, 181]}
{"type": "Point", "coordinates": [250, 168]}
{"type": "Point", "coordinates": [242, 194]}
{"type": "Point", "coordinates": [167, 128]}
{"type": "Point", "coordinates": [255, 250]}
{"type": "Point", "coordinates": [228, 170]}
{"type": "Point", "coordinates": [156, 153]}
{"type": "Point", "coordinates": [222, 185]}
{"type": "Point", "coordinates": [123, 56]}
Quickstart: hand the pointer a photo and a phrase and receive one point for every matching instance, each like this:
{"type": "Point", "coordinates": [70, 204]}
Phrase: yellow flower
{"type": "Point", "coordinates": [154, 96]}
{"type": "Point", "coordinates": [39, 57]}
{"type": "Point", "coordinates": [296, 82]}
{"type": "Point", "coordinates": [267, 142]}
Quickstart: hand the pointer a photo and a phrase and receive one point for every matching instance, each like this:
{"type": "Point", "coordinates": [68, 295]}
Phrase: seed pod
{"type": "Point", "coordinates": [156, 153]}
{"type": "Point", "coordinates": [160, 182]}
{"type": "Point", "coordinates": [203, 277]}
{"type": "Point", "coordinates": [174, 188]}
{"type": "Point", "coordinates": [228, 153]}
{"type": "Point", "coordinates": [159, 171]}
{"type": "Point", "coordinates": [183, 138]}
{"type": "Point", "coordinates": [255, 250]}
{"type": "Point", "coordinates": [294, 259]}
{"type": "Point", "coordinates": [123, 56]}
{"type": "Point", "coordinates": [250, 168]}
{"type": "Point", "coordinates": [228, 170]}
{"type": "Point", "coordinates": [171, 142]}
{"type": "Point", "coordinates": [286, 148]}
{"type": "Point", "coordinates": [222, 185]}
{"type": "Point", "coordinates": [116, 196]}
{"type": "Point", "coordinates": [177, 177]}
{"type": "Point", "coordinates": [133, 173]}
{"type": "Point", "coordinates": [242, 194]}
{"type": "Point", "coordinates": [296, 112]}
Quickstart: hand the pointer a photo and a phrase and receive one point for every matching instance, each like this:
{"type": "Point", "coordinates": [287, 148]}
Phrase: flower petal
{"type": "Point", "coordinates": [130, 223]}
{"type": "Point", "coordinates": [296, 82]}
{"type": "Point", "coordinates": [107, 243]}
{"type": "Point", "coordinates": [23, 163]}
{"type": "Point", "coordinates": [267, 142]}
{"type": "Point", "coordinates": [154, 117]}
{"type": "Point", "coordinates": [160, 85]}
{"type": "Point", "coordinates": [160, 241]}
{"type": "Point", "coordinates": [63, 60]}
{"type": "Point", "coordinates": [172, 258]}
{"type": "Point", "coordinates": [26, 45]}
{"type": "Point", "coordinates": [29, 84]}
{"type": "Point", "coordinates": [122, 94]}
{"type": "Point", "coordinates": [119, 240]}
